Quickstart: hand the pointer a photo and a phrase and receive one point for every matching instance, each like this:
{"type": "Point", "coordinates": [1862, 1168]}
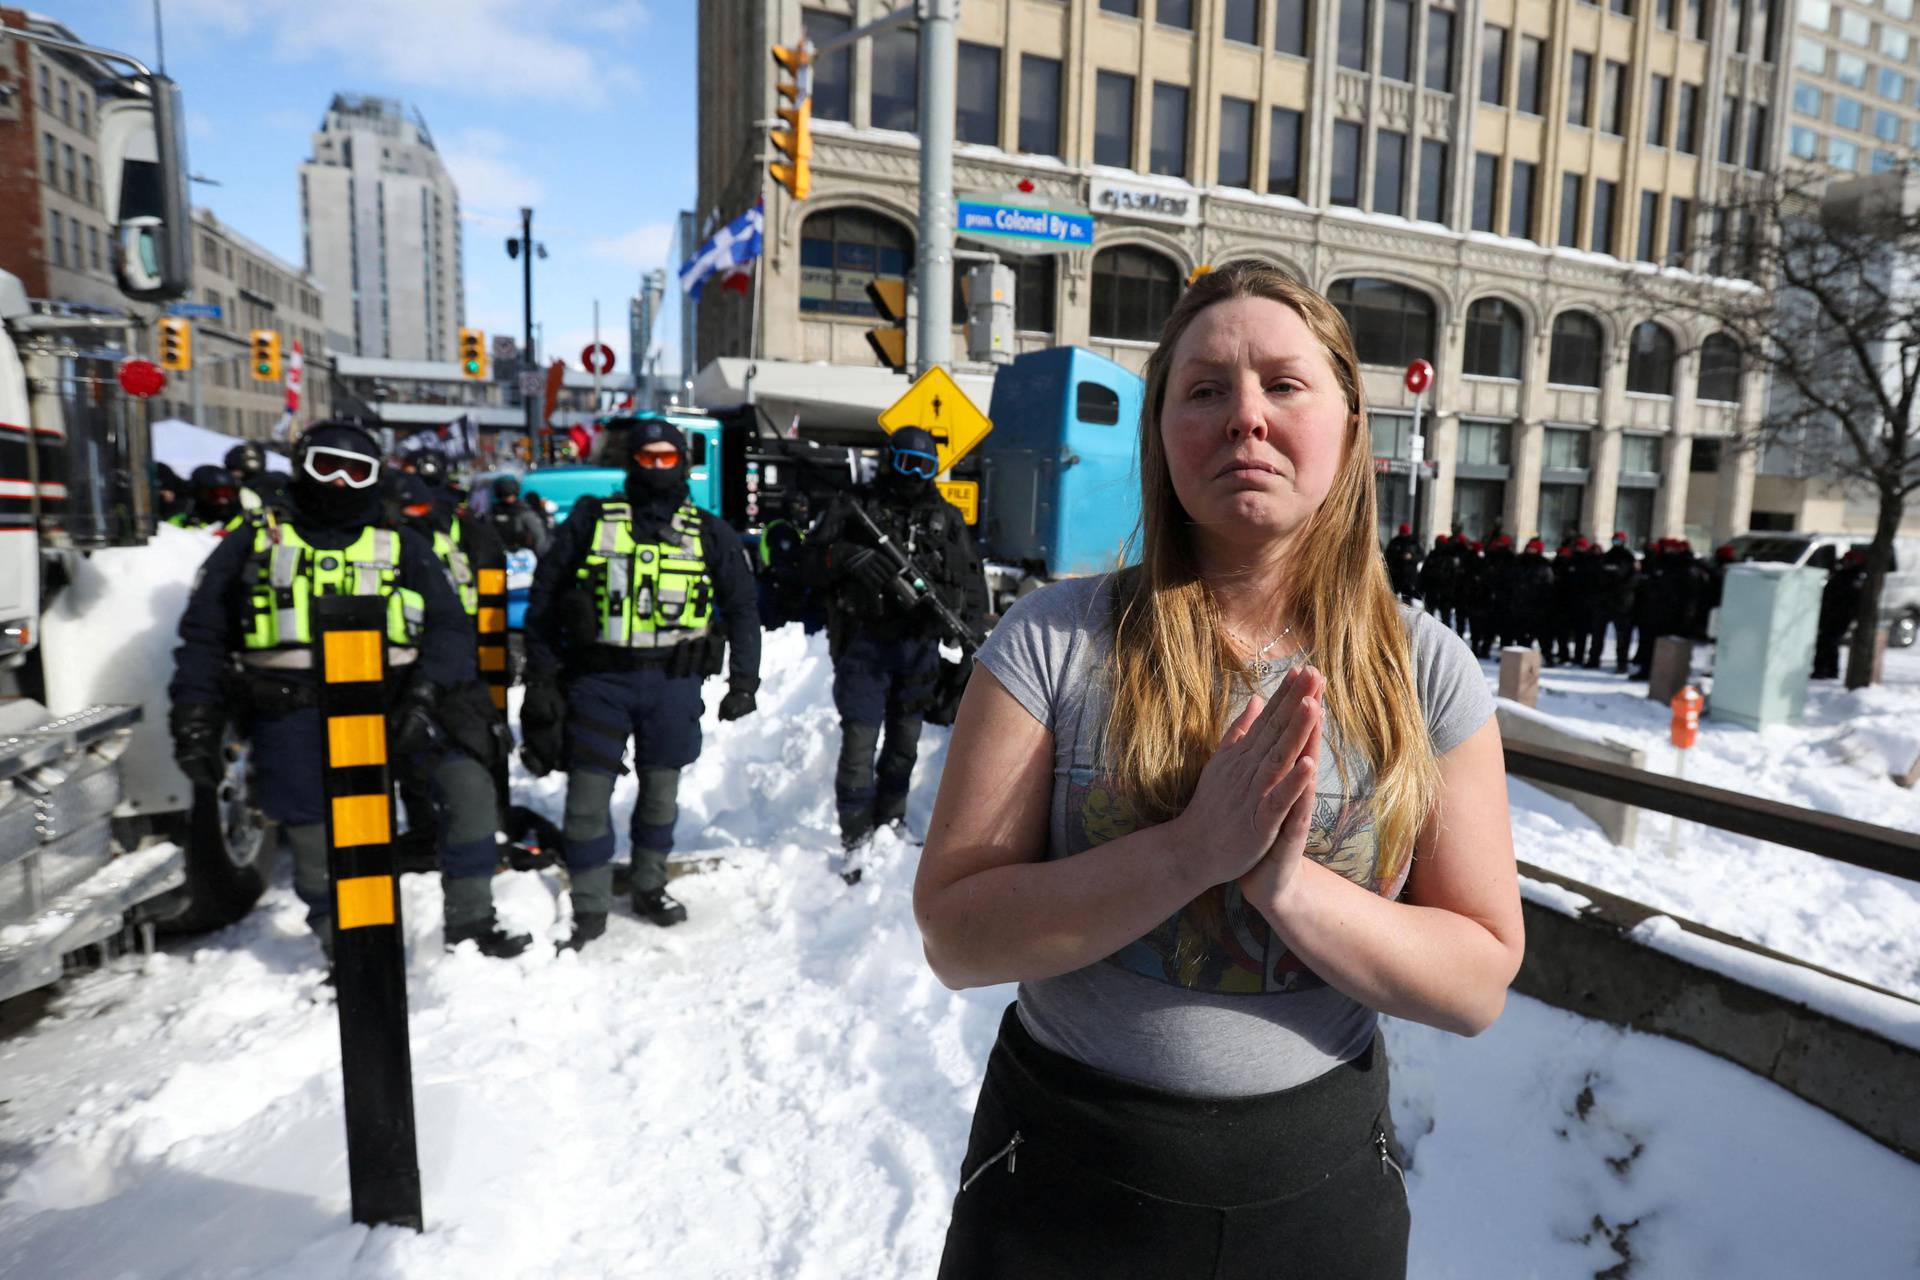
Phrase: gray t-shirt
{"type": "Point", "coordinates": [1209, 1003]}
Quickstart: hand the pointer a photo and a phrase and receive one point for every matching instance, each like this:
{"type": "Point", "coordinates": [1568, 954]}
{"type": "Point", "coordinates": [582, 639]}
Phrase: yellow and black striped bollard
{"type": "Point", "coordinates": [491, 623]}
{"type": "Point", "coordinates": [369, 957]}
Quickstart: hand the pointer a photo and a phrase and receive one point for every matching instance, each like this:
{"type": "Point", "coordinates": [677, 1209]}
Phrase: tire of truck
{"type": "Point", "coordinates": [226, 842]}
{"type": "Point", "coordinates": [1905, 630]}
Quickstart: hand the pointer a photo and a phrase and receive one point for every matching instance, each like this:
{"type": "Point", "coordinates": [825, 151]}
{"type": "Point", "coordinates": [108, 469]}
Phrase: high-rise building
{"type": "Point", "coordinates": [1856, 84]}
{"type": "Point", "coordinates": [381, 218]}
{"type": "Point", "coordinates": [1498, 186]}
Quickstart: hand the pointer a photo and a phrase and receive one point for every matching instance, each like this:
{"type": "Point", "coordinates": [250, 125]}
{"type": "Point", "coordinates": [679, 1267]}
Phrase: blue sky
{"type": "Point", "coordinates": [584, 110]}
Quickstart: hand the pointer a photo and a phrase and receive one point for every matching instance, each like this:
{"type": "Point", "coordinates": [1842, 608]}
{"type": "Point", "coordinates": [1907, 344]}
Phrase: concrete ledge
{"type": "Point", "coordinates": [1523, 724]}
{"type": "Point", "coordinates": [1847, 1047]}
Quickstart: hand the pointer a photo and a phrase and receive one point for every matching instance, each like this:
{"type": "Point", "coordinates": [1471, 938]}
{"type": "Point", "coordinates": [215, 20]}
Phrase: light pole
{"type": "Point", "coordinates": [524, 248]}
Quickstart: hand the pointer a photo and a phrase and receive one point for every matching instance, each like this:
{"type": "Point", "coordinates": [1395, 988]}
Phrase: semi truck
{"type": "Point", "coordinates": [102, 839]}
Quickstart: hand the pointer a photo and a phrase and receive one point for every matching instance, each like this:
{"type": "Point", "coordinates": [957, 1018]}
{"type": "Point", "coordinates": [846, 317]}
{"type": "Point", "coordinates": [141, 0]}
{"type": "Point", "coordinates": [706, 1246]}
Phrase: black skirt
{"type": "Point", "coordinates": [1071, 1171]}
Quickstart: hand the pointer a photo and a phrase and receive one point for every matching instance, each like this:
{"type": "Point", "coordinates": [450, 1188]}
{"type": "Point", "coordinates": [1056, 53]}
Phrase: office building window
{"type": "Point", "coordinates": [1520, 199]}
{"type": "Point", "coordinates": [1891, 85]}
{"type": "Point", "coordinates": [1439, 73]}
{"type": "Point", "coordinates": [1113, 120]}
{"type": "Point", "coordinates": [1886, 126]}
{"type": "Point", "coordinates": [1283, 152]}
{"type": "Point", "coordinates": [1133, 291]}
{"type": "Point", "coordinates": [1236, 142]}
{"type": "Point", "coordinates": [1345, 186]}
{"type": "Point", "coordinates": [1290, 27]}
{"type": "Point", "coordinates": [1807, 99]}
{"type": "Point", "coordinates": [1894, 43]}
{"type": "Point", "coordinates": [833, 74]}
{"type": "Point", "coordinates": [1496, 338]}
{"type": "Point", "coordinates": [1486, 180]}
{"type": "Point", "coordinates": [1033, 291]}
{"type": "Point", "coordinates": [1802, 142]}
{"type": "Point", "coordinates": [1613, 99]}
{"type": "Point", "coordinates": [1493, 65]}
{"type": "Point", "coordinates": [1574, 360]}
{"type": "Point", "coordinates": [1719, 369]}
{"type": "Point", "coordinates": [841, 250]}
{"type": "Point", "coordinates": [71, 168]}
{"type": "Point", "coordinates": [1478, 506]}
{"type": "Point", "coordinates": [1169, 150]}
{"type": "Point", "coordinates": [1640, 454]}
{"type": "Point", "coordinates": [1389, 172]}
{"type": "Point", "coordinates": [1855, 29]}
{"type": "Point", "coordinates": [1842, 154]}
{"type": "Point", "coordinates": [1391, 323]}
{"type": "Point", "coordinates": [52, 149]}
{"type": "Point", "coordinates": [1433, 181]}
{"type": "Point", "coordinates": [93, 247]}
{"type": "Point", "coordinates": [1039, 105]}
{"type": "Point", "coordinates": [1603, 201]}
{"type": "Point", "coordinates": [1396, 39]}
{"type": "Point", "coordinates": [1729, 129]}
{"type": "Point", "coordinates": [1649, 214]}
{"type": "Point", "coordinates": [1810, 55]}
{"type": "Point", "coordinates": [1686, 126]}
{"type": "Point", "coordinates": [1691, 24]}
{"type": "Point", "coordinates": [66, 103]}
{"type": "Point", "coordinates": [1657, 86]}
{"type": "Point", "coordinates": [1240, 20]}
{"type": "Point", "coordinates": [86, 178]}
{"type": "Point", "coordinates": [1757, 137]}
{"type": "Point", "coordinates": [1533, 58]}
{"type": "Point", "coordinates": [976, 111]}
{"type": "Point", "coordinates": [1174, 13]}
{"type": "Point", "coordinates": [1850, 69]}
{"type": "Point", "coordinates": [1579, 88]}
{"type": "Point", "coordinates": [1571, 187]}
{"type": "Point", "coordinates": [1560, 509]}
{"type": "Point", "coordinates": [1847, 112]}
{"type": "Point", "coordinates": [46, 90]}
{"type": "Point", "coordinates": [1125, 8]}
{"type": "Point", "coordinates": [1565, 449]}
{"type": "Point", "coordinates": [1353, 33]}
{"type": "Point", "coordinates": [1483, 444]}
{"type": "Point", "coordinates": [893, 101]}
{"type": "Point", "coordinates": [1651, 355]}
{"type": "Point", "coordinates": [1622, 7]}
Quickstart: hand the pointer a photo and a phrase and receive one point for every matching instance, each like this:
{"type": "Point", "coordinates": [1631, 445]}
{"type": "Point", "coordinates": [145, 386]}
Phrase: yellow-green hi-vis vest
{"type": "Point", "coordinates": [289, 573]}
{"type": "Point", "coordinates": [447, 549]}
{"type": "Point", "coordinates": [649, 595]}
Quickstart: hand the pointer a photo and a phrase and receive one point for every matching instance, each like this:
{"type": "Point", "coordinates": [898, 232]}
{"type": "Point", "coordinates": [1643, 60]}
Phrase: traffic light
{"type": "Point", "coordinates": [266, 355]}
{"type": "Point", "coordinates": [796, 140]}
{"type": "Point", "coordinates": [473, 353]}
{"type": "Point", "coordinates": [889, 342]}
{"type": "Point", "coordinates": [176, 344]}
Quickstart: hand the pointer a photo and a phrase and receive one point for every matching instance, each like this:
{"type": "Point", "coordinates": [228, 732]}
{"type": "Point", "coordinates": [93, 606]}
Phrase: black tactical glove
{"type": "Point", "coordinates": [739, 700]}
{"type": "Point", "coordinates": [543, 717]}
{"type": "Point", "coordinates": [864, 565]}
{"type": "Point", "coordinates": [197, 729]}
{"type": "Point", "coordinates": [416, 733]}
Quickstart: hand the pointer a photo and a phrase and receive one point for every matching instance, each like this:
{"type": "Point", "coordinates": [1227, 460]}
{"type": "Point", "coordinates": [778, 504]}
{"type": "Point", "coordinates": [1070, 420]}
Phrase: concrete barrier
{"type": "Point", "coordinates": [1522, 724]}
{"type": "Point", "coordinates": [1847, 1047]}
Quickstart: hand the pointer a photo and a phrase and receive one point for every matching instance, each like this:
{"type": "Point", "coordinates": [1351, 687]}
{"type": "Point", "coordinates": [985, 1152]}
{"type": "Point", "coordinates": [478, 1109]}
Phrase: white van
{"type": "Point", "coordinates": [1899, 599]}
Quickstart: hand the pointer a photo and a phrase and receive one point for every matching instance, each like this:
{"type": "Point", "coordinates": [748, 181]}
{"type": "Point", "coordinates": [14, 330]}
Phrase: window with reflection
{"type": "Point", "coordinates": [841, 250]}
{"type": "Point", "coordinates": [1496, 338]}
{"type": "Point", "coordinates": [1133, 292]}
{"type": "Point", "coordinates": [1720, 369]}
{"type": "Point", "coordinates": [1392, 324]}
{"type": "Point", "coordinates": [1650, 358]}
{"type": "Point", "coordinates": [1575, 358]}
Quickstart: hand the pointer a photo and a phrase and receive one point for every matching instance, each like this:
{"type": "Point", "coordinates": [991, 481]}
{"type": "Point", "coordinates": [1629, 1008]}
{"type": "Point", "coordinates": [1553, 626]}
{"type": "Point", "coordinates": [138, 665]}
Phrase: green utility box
{"type": "Point", "coordinates": [1764, 656]}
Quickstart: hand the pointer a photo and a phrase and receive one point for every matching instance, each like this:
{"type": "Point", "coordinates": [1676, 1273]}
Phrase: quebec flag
{"type": "Point", "coordinates": [731, 248]}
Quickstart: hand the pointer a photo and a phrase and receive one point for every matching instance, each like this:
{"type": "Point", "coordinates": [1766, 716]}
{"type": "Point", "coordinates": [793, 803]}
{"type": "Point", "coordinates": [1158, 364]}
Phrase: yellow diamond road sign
{"type": "Point", "coordinates": [936, 403]}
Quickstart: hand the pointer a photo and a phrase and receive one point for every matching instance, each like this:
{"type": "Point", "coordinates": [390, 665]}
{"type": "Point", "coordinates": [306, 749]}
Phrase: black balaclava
{"type": "Point", "coordinates": [656, 494]}
{"type": "Point", "coordinates": [410, 493]}
{"type": "Point", "coordinates": [430, 467]}
{"type": "Point", "coordinates": [246, 460]}
{"type": "Point", "coordinates": [216, 494]}
{"type": "Point", "coordinates": [900, 487]}
{"type": "Point", "coordinates": [506, 490]}
{"type": "Point", "coordinates": [335, 505]}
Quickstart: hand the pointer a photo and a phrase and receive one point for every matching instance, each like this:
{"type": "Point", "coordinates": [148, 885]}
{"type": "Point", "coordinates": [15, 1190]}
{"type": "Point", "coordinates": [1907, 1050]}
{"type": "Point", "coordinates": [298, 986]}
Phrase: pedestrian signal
{"type": "Point", "coordinates": [889, 342]}
{"type": "Point", "coordinates": [795, 142]}
{"type": "Point", "coordinates": [473, 353]}
{"type": "Point", "coordinates": [266, 355]}
{"type": "Point", "coordinates": [176, 344]}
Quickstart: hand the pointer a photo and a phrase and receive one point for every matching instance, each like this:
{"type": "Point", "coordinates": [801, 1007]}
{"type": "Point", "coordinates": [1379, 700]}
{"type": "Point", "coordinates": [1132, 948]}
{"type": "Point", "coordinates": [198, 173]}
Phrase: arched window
{"type": "Point", "coordinates": [1575, 359]}
{"type": "Point", "coordinates": [1650, 357]}
{"type": "Point", "coordinates": [1392, 324]}
{"type": "Point", "coordinates": [1495, 339]}
{"type": "Point", "coordinates": [1720, 369]}
{"type": "Point", "coordinates": [840, 251]}
{"type": "Point", "coordinates": [1133, 293]}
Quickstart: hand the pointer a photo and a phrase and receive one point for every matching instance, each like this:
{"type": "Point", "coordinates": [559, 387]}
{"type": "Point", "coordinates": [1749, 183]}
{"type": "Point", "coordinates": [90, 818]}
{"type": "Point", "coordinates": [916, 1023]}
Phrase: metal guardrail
{"type": "Point", "coordinates": [1861, 844]}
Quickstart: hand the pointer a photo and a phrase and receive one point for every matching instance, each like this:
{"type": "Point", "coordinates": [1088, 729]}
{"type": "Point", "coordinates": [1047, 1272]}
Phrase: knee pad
{"type": "Point", "coordinates": [589, 792]}
{"type": "Point", "coordinates": [466, 793]}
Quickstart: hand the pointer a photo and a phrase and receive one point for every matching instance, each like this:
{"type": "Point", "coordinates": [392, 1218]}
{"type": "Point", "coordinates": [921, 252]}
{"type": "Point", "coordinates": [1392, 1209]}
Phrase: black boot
{"type": "Point", "coordinates": [587, 925]}
{"type": "Point", "coordinates": [490, 938]}
{"type": "Point", "coordinates": [659, 907]}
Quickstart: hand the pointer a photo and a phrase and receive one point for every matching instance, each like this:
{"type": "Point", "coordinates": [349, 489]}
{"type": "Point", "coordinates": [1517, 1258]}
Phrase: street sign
{"type": "Point", "coordinates": [596, 357]}
{"type": "Point", "coordinates": [936, 403]}
{"type": "Point", "coordinates": [1419, 376]}
{"type": "Point", "coordinates": [964, 494]}
{"type": "Point", "coordinates": [194, 310]}
{"type": "Point", "coordinates": [532, 382]}
{"type": "Point", "coordinates": [1022, 228]}
{"type": "Point", "coordinates": [141, 378]}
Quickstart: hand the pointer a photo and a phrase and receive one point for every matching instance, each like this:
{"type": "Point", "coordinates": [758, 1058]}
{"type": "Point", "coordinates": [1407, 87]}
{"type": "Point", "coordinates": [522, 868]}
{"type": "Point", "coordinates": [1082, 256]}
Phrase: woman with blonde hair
{"type": "Point", "coordinates": [1215, 813]}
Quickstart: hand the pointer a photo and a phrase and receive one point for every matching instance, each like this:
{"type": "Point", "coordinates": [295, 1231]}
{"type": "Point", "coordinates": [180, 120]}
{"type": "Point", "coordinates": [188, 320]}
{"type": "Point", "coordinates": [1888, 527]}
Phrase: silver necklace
{"type": "Point", "coordinates": [1261, 667]}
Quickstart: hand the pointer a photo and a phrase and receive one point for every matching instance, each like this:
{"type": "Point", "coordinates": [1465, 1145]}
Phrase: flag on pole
{"type": "Point", "coordinates": [296, 374]}
{"type": "Point", "coordinates": [732, 247]}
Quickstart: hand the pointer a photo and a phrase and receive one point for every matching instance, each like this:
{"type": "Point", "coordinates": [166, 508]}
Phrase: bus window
{"type": "Point", "coordinates": [698, 444]}
{"type": "Point", "coordinates": [1096, 405]}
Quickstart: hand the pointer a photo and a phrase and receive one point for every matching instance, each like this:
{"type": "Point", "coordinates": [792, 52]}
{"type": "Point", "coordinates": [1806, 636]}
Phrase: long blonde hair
{"type": "Point", "coordinates": [1170, 654]}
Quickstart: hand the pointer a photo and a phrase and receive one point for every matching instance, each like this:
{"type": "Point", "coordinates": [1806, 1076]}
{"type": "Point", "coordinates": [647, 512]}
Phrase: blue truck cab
{"type": "Point", "coordinates": [1059, 471]}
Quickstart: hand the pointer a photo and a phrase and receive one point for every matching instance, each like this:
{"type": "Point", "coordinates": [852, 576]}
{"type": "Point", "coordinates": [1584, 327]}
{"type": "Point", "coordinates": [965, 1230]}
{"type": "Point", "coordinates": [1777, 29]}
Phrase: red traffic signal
{"type": "Point", "coordinates": [1419, 376]}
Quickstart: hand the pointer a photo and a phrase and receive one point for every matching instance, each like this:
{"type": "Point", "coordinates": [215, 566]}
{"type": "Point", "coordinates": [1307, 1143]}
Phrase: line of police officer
{"type": "Point", "coordinates": [635, 602]}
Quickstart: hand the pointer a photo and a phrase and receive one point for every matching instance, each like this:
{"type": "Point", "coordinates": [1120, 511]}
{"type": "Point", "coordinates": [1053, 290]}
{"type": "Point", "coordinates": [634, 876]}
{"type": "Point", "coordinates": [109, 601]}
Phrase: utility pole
{"type": "Point", "coordinates": [193, 332]}
{"type": "Point", "coordinates": [933, 267]}
{"type": "Point", "coordinates": [527, 365]}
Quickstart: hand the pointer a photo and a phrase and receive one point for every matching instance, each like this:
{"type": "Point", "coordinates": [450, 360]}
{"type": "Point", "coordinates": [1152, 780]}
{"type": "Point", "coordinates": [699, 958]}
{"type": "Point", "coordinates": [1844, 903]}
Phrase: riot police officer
{"type": "Point", "coordinates": [1403, 563]}
{"type": "Point", "coordinates": [627, 613]}
{"type": "Point", "coordinates": [784, 593]}
{"type": "Point", "coordinates": [1619, 581]}
{"type": "Point", "coordinates": [1839, 602]}
{"type": "Point", "coordinates": [246, 641]}
{"type": "Point", "coordinates": [215, 499]}
{"type": "Point", "coordinates": [259, 487]}
{"type": "Point", "coordinates": [514, 522]}
{"type": "Point", "coordinates": [1531, 601]}
{"type": "Point", "coordinates": [1438, 583]}
{"type": "Point", "coordinates": [886, 647]}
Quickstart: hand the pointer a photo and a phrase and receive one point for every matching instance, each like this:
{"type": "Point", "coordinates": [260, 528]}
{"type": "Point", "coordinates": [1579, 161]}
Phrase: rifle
{"type": "Point", "coordinates": [911, 587]}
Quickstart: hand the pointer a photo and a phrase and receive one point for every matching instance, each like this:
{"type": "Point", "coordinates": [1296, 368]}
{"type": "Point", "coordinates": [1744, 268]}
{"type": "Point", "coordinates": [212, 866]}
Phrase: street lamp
{"type": "Point", "coordinates": [524, 248]}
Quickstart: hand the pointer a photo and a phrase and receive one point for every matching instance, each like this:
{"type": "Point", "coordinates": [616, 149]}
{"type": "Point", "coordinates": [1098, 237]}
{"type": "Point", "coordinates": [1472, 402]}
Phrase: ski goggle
{"type": "Point", "coordinates": [327, 464]}
{"type": "Point", "coordinates": [916, 462]}
{"type": "Point", "coordinates": [657, 459]}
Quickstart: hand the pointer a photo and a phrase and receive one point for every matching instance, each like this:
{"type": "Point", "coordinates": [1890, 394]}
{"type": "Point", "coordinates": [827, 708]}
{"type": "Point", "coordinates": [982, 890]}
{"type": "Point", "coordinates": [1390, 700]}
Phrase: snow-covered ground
{"type": "Point", "coordinates": [779, 1088]}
